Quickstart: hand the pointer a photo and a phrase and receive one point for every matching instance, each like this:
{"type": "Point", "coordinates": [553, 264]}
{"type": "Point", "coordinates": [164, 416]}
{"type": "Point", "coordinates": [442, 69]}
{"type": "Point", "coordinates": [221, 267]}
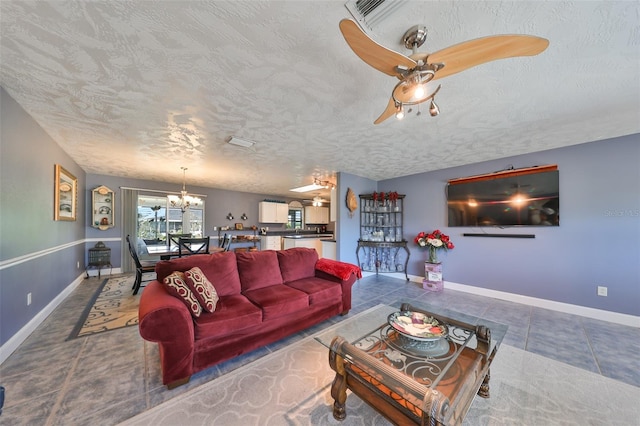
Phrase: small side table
{"type": "Point", "coordinates": [99, 257]}
{"type": "Point", "coordinates": [433, 277]}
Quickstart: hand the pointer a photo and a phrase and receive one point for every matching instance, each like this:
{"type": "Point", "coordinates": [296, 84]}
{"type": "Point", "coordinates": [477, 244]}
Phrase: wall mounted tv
{"type": "Point", "coordinates": [515, 197]}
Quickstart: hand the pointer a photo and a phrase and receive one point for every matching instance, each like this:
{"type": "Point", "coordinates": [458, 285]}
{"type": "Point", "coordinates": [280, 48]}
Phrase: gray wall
{"type": "Point", "coordinates": [348, 228]}
{"type": "Point", "coordinates": [218, 204]}
{"type": "Point", "coordinates": [37, 254]}
{"type": "Point", "coordinates": [597, 242]}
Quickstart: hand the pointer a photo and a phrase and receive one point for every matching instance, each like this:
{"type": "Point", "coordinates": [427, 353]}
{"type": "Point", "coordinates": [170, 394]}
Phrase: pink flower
{"type": "Point", "coordinates": [435, 239]}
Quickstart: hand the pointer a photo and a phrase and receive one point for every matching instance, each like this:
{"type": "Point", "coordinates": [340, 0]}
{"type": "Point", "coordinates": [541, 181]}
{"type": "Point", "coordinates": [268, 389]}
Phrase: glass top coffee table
{"type": "Point", "coordinates": [413, 363]}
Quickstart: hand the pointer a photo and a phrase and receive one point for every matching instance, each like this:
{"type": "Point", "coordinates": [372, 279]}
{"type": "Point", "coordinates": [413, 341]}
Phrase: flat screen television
{"type": "Point", "coordinates": [520, 197]}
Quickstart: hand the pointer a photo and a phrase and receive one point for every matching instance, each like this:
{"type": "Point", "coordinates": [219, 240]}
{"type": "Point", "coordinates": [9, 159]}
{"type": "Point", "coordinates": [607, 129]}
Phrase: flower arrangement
{"type": "Point", "coordinates": [380, 196]}
{"type": "Point", "coordinates": [434, 241]}
{"type": "Point", "coordinates": [393, 197]}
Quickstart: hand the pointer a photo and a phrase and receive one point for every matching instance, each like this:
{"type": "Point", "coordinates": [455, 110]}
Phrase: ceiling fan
{"type": "Point", "coordinates": [418, 69]}
{"type": "Point", "coordinates": [317, 201]}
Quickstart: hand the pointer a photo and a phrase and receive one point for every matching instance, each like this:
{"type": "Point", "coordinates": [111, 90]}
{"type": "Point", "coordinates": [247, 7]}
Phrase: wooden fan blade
{"type": "Point", "coordinates": [388, 112]}
{"type": "Point", "coordinates": [470, 53]}
{"type": "Point", "coordinates": [374, 54]}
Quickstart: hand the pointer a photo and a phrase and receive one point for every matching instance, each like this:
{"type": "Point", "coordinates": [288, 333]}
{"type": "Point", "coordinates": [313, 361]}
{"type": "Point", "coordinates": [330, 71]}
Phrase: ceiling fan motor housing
{"type": "Point", "coordinates": [415, 37]}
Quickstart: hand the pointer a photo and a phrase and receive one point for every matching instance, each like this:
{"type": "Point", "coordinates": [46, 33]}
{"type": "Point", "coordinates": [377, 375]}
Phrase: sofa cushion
{"type": "Point", "coordinates": [297, 263]}
{"type": "Point", "coordinates": [233, 313]}
{"type": "Point", "coordinates": [278, 300]}
{"type": "Point", "coordinates": [258, 269]}
{"type": "Point", "coordinates": [204, 291]}
{"type": "Point", "coordinates": [219, 268]}
{"type": "Point", "coordinates": [320, 291]}
{"type": "Point", "coordinates": [176, 285]}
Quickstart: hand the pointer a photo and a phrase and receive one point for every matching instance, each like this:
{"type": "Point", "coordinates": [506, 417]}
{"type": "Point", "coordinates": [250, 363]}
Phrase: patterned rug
{"type": "Point", "coordinates": [112, 306]}
{"type": "Point", "coordinates": [291, 387]}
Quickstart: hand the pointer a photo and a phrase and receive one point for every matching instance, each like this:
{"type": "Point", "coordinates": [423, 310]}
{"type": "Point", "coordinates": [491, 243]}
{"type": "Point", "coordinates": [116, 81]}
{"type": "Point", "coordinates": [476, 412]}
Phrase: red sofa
{"type": "Point", "coordinates": [264, 296]}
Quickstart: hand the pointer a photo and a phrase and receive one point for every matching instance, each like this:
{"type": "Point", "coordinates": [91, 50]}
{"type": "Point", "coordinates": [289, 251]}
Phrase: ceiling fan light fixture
{"type": "Point", "coordinates": [433, 108]}
{"type": "Point", "coordinates": [399, 112]}
{"type": "Point", "coordinates": [412, 89]}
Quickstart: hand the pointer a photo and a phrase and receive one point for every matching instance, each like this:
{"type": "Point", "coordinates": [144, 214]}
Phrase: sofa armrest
{"type": "Point", "coordinates": [342, 270]}
{"type": "Point", "coordinates": [165, 319]}
{"type": "Point", "coordinates": [346, 283]}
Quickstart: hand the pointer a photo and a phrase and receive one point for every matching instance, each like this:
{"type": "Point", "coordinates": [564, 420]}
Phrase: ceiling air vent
{"type": "Point", "coordinates": [369, 13]}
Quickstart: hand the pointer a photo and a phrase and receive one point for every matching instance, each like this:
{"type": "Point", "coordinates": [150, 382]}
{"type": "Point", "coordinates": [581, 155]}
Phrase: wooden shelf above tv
{"type": "Point", "coordinates": [504, 173]}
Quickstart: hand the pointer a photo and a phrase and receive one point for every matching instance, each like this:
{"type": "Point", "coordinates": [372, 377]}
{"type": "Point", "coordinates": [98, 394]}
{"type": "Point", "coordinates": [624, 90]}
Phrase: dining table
{"type": "Point", "coordinates": [166, 253]}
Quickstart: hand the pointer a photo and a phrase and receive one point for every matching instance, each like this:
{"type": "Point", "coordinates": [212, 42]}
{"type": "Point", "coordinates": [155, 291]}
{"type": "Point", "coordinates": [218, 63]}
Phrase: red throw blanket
{"type": "Point", "coordinates": [338, 269]}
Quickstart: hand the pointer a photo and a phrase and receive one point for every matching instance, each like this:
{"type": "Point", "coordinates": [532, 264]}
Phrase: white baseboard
{"type": "Point", "coordinates": [16, 340]}
{"type": "Point", "coordinates": [583, 311]}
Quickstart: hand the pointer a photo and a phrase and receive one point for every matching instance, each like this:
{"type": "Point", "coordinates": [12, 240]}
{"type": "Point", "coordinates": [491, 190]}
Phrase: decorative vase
{"type": "Point", "coordinates": [433, 255]}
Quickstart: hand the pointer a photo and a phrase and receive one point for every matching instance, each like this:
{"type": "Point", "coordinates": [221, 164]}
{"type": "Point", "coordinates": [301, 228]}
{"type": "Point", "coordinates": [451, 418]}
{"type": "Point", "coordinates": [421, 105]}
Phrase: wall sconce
{"type": "Point", "coordinates": [230, 216]}
{"type": "Point", "coordinates": [244, 216]}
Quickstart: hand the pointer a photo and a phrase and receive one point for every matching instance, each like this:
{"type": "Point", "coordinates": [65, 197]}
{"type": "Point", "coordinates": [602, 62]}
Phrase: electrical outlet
{"type": "Point", "coordinates": [602, 291]}
{"type": "Point", "coordinates": [78, 265]}
{"type": "Point", "coordinates": [28, 299]}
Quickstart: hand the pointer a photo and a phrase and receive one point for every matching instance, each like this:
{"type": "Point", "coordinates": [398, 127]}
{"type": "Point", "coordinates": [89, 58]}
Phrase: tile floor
{"type": "Point", "coordinates": [109, 377]}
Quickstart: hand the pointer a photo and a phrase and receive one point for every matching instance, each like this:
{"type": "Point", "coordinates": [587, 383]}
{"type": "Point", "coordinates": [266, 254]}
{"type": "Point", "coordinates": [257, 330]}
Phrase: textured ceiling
{"type": "Point", "coordinates": [141, 88]}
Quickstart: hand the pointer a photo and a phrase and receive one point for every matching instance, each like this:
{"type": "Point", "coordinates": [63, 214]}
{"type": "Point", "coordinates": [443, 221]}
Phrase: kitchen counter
{"type": "Point", "coordinates": [299, 236]}
{"type": "Point", "coordinates": [310, 240]}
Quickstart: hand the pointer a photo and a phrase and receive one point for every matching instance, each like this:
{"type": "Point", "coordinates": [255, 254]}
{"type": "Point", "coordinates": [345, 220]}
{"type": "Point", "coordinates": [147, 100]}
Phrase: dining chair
{"type": "Point", "coordinates": [141, 266]}
{"type": "Point", "coordinates": [226, 242]}
{"type": "Point", "coordinates": [174, 239]}
{"type": "Point", "coordinates": [191, 246]}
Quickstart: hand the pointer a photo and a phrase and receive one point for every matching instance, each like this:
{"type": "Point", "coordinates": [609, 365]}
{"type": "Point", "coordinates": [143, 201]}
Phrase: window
{"type": "Point", "coordinates": [294, 219]}
{"type": "Point", "coordinates": [156, 219]}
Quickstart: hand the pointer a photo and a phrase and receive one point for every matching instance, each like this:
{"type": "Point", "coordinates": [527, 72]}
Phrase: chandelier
{"type": "Point", "coordinates": [184, 200]}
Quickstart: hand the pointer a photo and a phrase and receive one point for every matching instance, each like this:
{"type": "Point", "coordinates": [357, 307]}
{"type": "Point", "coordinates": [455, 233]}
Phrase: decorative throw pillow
{"type": "Point", "coordinates": [202, 288]}
{"type": "Point", "coordinates": [176, 285]}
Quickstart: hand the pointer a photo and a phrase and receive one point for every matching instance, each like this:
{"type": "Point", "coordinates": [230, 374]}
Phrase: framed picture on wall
{"type": "Point", "coordinates": [239, 227]}
{"type": "Point", "coordinates": [65, 194]}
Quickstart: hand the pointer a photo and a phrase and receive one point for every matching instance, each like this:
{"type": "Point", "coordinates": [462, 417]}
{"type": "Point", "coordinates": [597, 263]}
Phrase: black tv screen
{"type": "Point", "coordinates": [510, 198]}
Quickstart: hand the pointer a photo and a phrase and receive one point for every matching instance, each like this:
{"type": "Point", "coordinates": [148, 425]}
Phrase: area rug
{"type": "Point", "coordinates": [113, 306]}
{"type": "Point", "coordinates": [292, 387]}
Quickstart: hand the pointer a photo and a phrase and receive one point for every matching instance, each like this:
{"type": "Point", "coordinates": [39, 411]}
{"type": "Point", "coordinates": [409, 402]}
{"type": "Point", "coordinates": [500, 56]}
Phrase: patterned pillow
{"type": "Point", "coordinates": [176, 285]}
{"type": "Point", "coordinates": [202, 288]}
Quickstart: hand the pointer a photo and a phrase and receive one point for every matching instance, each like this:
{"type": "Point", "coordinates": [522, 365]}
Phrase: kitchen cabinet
{"type": "Point", "coordinates": [102, 205]}
{"type": "Point", "coordinates": [271, 212]}
{"type": "Point", "coordinates": [316, 215]}
{"type": "Point", "coordinates": [273, 242]}
{"type": "Point", "coordinates": [329, 249]}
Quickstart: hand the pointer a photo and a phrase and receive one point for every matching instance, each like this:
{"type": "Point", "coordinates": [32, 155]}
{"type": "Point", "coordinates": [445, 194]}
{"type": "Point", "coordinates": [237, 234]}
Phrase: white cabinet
{"type": "Point", "coordinates": [269, 212]}
{"type": "Point", "coordinates": [316, 215]}
{"type": "Point", "coordinates": [314, 243]}
{"type": "Point", "coordinates": [329, 249]}
{"type": "Point", "coordinates": [271, 242]}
